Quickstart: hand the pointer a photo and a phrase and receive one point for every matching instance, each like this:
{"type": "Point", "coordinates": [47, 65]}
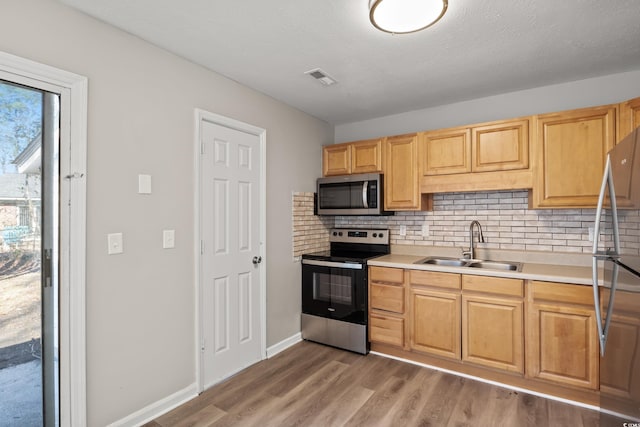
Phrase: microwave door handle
{"type": "Point", "coordinates": [365, 193]}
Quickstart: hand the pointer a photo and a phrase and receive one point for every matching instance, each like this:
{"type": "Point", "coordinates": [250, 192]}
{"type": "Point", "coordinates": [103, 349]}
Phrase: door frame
{"type": "Point", "coordinates": [73, 143]}
{"type": "Point", "coordinates": [205, 116]}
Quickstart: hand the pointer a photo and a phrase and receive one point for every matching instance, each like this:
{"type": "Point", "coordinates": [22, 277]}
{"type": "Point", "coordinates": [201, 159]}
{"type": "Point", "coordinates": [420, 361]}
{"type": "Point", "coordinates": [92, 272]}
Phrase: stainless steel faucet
{"type": "Point", "coordinates": [480, 238]}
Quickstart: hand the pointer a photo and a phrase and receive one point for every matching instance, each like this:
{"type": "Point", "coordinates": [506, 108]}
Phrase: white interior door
{"type": "Point", "coordinates": [230, 263]}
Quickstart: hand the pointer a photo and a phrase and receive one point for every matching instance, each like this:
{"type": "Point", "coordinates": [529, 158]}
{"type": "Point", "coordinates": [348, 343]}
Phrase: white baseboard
{"type": "Point", "coordinates": [163, 406]}
{"type": "Point", "coordinates": [158, 408]}
{"type": "Point", "coordinates": [284, 344]}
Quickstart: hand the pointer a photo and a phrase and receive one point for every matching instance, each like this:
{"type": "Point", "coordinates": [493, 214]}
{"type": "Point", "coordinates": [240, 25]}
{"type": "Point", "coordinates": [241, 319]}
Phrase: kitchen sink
{"type": "Point", "coordinates": [495, 265]}
{"type": "Point", "coordinates": [456, 262]}
{"type": "Point", "coordinates": [448, 262]}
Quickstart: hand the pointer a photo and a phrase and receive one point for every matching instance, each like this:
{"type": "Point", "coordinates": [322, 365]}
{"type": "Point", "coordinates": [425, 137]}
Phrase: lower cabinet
{"type": "Point", "coordinates": [540, 335]}
{"type": "Point", "coordinates": [492, 333]}
{"type": "Point", "coordinates": [386, 329]}
{"type": "Point", "coordinates": [562, 335]}
{"type": "Point", "coordinates": [493, 322]}
{"type": "Point", "coordinates": [434, 313]}
{"type": "Point", "coordinates": [386, 306]}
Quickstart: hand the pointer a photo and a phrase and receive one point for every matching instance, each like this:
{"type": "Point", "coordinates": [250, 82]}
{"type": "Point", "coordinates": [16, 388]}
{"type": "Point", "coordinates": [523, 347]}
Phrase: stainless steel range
{"type": "Point", "coordinates": [334, 288]}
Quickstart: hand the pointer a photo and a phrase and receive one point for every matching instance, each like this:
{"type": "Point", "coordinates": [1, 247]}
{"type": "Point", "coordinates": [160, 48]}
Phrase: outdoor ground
{"type": "Point", "coordinates": [20, 366]}
{"type": "Point", "coordinates": [19, 307]}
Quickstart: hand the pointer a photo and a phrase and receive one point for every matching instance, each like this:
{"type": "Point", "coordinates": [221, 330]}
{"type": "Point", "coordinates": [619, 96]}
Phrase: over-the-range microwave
{"type": "Point", "coordinates": [360, 194]}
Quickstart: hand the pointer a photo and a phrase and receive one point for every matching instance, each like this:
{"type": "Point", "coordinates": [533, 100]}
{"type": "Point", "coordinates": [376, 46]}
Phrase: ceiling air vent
{"type": "Point", "coordinates": [321, 76]}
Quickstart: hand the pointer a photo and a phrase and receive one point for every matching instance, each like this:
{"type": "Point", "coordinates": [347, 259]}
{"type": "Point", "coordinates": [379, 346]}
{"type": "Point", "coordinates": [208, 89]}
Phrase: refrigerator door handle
{"type": "Point", "coordinates": [607, 181]}
{"type": "Point", "coordinates": [603, 327]}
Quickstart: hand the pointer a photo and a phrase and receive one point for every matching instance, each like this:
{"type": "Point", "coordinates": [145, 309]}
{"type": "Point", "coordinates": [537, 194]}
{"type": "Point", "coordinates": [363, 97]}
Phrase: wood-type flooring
{"type": "Point", "coordinates": [314, 385]}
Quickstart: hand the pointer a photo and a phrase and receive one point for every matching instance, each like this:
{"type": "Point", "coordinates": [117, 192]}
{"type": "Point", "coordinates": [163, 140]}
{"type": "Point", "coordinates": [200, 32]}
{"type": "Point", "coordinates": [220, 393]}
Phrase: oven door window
{"type": "Point", "coordinates": [338, 293]}
{"type": "Point", "coordinates": [333, 288]}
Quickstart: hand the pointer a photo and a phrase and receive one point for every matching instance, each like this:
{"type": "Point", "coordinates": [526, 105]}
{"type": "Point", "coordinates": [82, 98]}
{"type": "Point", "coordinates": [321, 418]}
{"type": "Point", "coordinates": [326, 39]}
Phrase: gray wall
{"type": "Point", "coordinates": [566, 96]}
{"type": "Point", "coordinates": [140, 305]}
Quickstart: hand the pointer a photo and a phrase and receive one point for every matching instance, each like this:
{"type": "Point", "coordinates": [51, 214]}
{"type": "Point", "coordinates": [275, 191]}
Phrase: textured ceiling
{"type": "Point", "coordinates": [479, 48]}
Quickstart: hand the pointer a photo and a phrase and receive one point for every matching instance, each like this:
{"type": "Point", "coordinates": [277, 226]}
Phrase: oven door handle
{"type": "Point", "coordinates": [348, 265]}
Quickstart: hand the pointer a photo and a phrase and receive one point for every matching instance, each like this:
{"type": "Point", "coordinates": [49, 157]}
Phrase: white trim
{"type": "Point", "coordinates": [484, 380]}
{"type": "Point", "coordinates": [73, 142]}
{"type": "Point", "coordinates": [200, 116]}
{"type": "Point", "coordinates": [158, 408]}
{"type": "Point", "coordinates": [284, 344]}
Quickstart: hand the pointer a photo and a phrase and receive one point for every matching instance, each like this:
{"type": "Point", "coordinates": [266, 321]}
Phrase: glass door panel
{"type": "Point", "coordinates": [28, 311]}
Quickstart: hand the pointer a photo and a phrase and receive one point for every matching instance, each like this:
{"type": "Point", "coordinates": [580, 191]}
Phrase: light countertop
{"type": "Point", "coordinates": [579, 275]}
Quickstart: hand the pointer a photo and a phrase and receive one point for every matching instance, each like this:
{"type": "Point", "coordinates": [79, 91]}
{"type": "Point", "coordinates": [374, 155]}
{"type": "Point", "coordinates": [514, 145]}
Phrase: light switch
{"type": "Point", "coordinates": [168, 239]}
{"type": "Point", "coordinates": [144, 184]}
{"type": "Point", "coordinates": [403, 230]}
{"type": "Point", "coordinates": [115, 245]}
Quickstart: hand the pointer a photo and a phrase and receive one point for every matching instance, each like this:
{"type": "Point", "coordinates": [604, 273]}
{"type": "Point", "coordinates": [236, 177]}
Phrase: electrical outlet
{"type": "Point", "coordinates": [425, 230]}
{"type": "Point", "coordinates": [591, 234]}
{"type": "Point", "coordinates": [403, 230]}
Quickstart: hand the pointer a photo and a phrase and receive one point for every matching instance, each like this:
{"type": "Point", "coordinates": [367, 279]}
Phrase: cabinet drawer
{"type": "Point", "coordinates": [433, 278]}
{"type": "Point", "coordinates": [562, 292]}
{"type": "Point", "coordinates": [386, 274]}
{"type": "Point", "coordinates": [386, 330]}
{"type": "Point", "coordinates": [387, 297]}
{"type": "Point", "coordinates": [493, 285]}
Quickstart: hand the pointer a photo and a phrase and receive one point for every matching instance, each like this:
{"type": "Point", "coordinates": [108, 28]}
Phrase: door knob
{"type": "Point", "coordinates": [257, 260]}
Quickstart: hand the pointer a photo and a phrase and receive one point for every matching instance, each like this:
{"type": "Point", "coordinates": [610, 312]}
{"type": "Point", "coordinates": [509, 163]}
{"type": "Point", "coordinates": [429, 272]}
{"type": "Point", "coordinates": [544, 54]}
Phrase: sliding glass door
{"type": "Point", "coordinates": [29, 217]}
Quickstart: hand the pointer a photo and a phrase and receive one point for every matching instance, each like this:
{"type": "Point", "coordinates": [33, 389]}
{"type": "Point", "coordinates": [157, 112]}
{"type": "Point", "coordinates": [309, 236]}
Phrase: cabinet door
{"type": "Point", "coordinates": [366, 156]}
{"type": "Point", "coordinates": [629, 117]}
{"type": "Point", "coordinates": [336, 159]}
{"type": "Point", "coordinates": [493, 332]}
{"type": "Point", "coordinates": [500, 146]}
{"type": "Point", "coordinates": [446, 151]}
{"type": "Point", "coordinates": [435, 323]}
{"type": "Point", "coordinates": [571, 155]}
{"type": "Point", "coordinates": [401, 184]}
{"type": "Point", "coordinates": [563, 345]}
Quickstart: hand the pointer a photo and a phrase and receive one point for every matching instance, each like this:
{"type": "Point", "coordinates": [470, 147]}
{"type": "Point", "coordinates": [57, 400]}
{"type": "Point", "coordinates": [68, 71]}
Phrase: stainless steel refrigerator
{"type": "Point", "coordinates": [616, 282]}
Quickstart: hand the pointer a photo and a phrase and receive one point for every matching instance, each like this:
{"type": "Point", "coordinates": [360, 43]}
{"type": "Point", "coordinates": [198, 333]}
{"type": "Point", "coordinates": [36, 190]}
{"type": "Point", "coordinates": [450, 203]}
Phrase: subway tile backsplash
{"type": "Point", "coordinates": [310, 232]}
{"type": "Point", "coordinates": [506, 221]}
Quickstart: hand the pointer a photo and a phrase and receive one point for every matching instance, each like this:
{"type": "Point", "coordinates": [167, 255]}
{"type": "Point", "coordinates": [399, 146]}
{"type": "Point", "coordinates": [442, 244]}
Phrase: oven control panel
{"type": "Point", "coordinates": [355, 235]}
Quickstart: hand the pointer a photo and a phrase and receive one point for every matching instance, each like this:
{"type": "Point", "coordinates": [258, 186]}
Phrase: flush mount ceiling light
{"type": "Point", "coordinates": [405, 16]}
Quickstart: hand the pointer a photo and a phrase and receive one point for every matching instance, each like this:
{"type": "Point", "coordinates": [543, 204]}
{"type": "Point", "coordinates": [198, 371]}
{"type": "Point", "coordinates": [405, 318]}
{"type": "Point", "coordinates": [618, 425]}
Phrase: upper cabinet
{"type": "Point", "coordinates": [336, 159]}
{"type": "Point", "coordinates": [486, 156]}
{"type": "Point", "coordinates": [559, 156]}
{"type": "Point", "coordinates": [353, 157]}
{"type": "Point", "coordinates": [446, 151]}
{"type": "Point", "coordinates": [629, 117]}
{"type": "Point", "coordinates": [500, 146]}
{"type": "Point", "coordinates": [367, 156]}
{"type": "Point", "coordinates": [401, 181]}
{"type": "Point", "coordinates": [571, 154]}
{"type": "Point", "coordinates": [491, 147]}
